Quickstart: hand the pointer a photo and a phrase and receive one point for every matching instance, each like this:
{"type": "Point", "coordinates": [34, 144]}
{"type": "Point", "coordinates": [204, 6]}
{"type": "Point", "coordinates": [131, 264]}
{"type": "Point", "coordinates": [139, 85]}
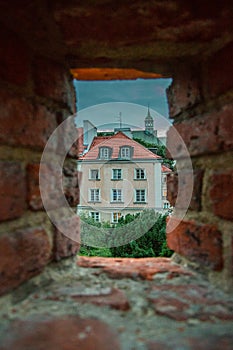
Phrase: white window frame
{"type": "Point", "coordinates": [125, 152]}
{"type": "Point", "coordinates": [118, 193]}
{"type": "Point", "coordinates": [96, 195]}
{"type": "Point", "coordinates": [138, 174]}
{"type": "Point", "coordinates": [115, 174]}
{"type": "Point", "coordinates": [95, 215]}
{"type": "Point", "coordinates": [115, 217]}
{"type": "Point", "coordinates": [94, 178]}
{"type": "Point", "coordinates": [141, 195]}
{"type": "Point", "coordinates": [104, 152]}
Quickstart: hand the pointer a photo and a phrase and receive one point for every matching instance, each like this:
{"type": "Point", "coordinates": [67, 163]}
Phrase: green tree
{"type": "Point", "coordinates": [161, 151]}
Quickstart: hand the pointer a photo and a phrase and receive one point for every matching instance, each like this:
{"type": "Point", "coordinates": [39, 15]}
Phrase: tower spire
{"type": "Point", "coordinates": [148, 110]}
{"type": "Point", "coordinates": [149, 121]}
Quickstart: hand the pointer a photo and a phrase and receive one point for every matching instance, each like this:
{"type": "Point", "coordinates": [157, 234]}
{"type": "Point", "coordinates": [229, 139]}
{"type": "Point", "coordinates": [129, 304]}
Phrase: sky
{"type": "Point", "coordinates": [102, 102]}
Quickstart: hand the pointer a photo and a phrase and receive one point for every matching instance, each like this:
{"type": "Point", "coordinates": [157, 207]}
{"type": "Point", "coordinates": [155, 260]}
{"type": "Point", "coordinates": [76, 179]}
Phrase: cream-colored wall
{"type": "Point", "coordinates": [128, 184]}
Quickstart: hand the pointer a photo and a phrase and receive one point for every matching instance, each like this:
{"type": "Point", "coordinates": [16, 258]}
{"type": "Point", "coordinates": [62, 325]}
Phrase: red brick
{"type": "Point", "coordinates": [144, 268]}
{"type": "Point", "coordinates": [219, 72]}
{"type": "Point", "coordinates": [53, 81]}
{"type": "Point", "coordinates": [201, 243]}
{"type": "Point", "coordinates": [172, 188]}
{"type": "Point", "coordinates": [67, 332]}
{"type": "Point", "coordinates": [182, 182]}
{"type": "Point", "coordinates": [12, 190]}
{"type": "Point", "coordinates": [184, 92]}
{"type": "Point", "coordinates": [50, 177]}
{"type": "Point", "coordinates": [34, 198]}
{"type": "Point", "coordinates": [24, 254]}
{"type": "Point", "coordinates": [15, 61]}
{"type": "Point", "coordinates": [225, 130]}
{"type": "Point", "coordinates": [170, 307]}
{"type": "Point", "coordinates": [64, 247]}
{"type": "Point", "coordinates": [71, 181]}
{"type": "Point", "coordinates": [115, 299]}
{"type": "Point", "coordinates": [209, 133]}
{"type": "Point", "coordinates": [221, 194]}
{"type": "Point", "coordinates": [23, 123]}
{"type": "Point", "coordinates": [197, 134]}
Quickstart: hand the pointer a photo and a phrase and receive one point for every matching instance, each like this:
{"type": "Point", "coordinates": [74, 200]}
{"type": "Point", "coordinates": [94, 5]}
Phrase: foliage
{"type": "Point", "coordinates": [151, 244]}
{"type": "Point", "coordinates": [161, 151]}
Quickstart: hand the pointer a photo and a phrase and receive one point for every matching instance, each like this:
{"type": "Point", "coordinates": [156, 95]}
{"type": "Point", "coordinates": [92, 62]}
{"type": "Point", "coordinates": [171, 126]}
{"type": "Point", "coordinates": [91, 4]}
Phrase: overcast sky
{"type": "Point", "coordinates": [101, 102]}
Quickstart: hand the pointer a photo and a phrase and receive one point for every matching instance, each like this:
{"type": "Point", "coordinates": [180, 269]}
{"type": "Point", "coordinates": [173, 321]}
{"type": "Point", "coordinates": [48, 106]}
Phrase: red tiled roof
{"type": "Point", "coordinates": [165, 169]}
{"type": "Point", "coordinates": [80, 141]}
{"type": "Point", "coordinates": [115, 142]}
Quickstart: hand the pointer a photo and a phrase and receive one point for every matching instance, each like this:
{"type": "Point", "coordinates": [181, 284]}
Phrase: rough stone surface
{"type": "Point", "coordinates": [24, 254]}
{"type": "Point", "coordinates": [221, 195]}
{"type": "Point", "coordinates": [87, 308]}
{"type": "Point", "coordinates": [201, 243]}
{"type": "Point", "coordinates": [64, 246]}
{"type": "Point", "coordinates": [12, 190]}
{"type": "Point", "coordinates": [67, 332]}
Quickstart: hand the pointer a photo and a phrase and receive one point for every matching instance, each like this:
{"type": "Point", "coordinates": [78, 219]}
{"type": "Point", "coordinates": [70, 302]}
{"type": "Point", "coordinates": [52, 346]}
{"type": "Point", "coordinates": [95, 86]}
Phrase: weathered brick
{"type": "Point", "coordinates": [221, 194]}
{"type": "Point", "coordinates": [225, 128]}
{"type": "Point", "coordinates": [34, 198]}
{"type": "Point", "coordinates": [53, 81]}
{"type": "Point", "coordinates": [209, 133]}
{"type": "Point", "coordinates": [170, 307]}
{"type": "Point", "coordinates": [12, 190]}
{"type": "Point", "coordinates": [23, 123]}
{"type": "Point", "coordinates": [64, 247]}
{"type": "Point", "coordinates": [50, 186]}
{"type": "Point", "coordinates": [24, 254]}
{"type": "Point", "coordinates": [71, 179]}
{"type": "Point", "coordinates": [67, 332]}
{"type": "Point", "coordinates": [209, 341]}
{"type": "Point", "coordinates": [200, 243]}
{"type": "Point", "coordinates": [184, 92]}
{"type": "Point", "coordinates": [112, 297]}
{"type": "Point", "coordinates": [182, 182]}
{"type": "Point", "coordinates": [15, 60]}
{"type": "Point", "coordinates": [144, 268]}
{"type": "Point", "coordinates": [219, 72]}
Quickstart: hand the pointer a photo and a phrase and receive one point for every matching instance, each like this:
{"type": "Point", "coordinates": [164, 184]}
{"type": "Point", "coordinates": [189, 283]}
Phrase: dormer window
{"type": "Point", "coordinates": [104, 152]}
{"type": "Point", "coordinates": [125, 152]}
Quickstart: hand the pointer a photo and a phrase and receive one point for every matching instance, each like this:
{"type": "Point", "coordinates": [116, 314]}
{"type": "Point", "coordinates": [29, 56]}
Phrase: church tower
{"type": "Point", "coordinates": [149, 122]}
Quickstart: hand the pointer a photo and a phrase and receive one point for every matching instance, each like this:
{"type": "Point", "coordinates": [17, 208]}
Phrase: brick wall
{"type": "Point", "coordinates": [41, 41]}
{"type": "Point", "coordinates": [36, 93]}
{"type": "Point", "coordinates": [203, 117]}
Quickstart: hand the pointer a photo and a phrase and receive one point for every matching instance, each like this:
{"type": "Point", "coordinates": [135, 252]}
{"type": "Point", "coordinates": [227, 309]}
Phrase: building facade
{"type": "Point", "coordinates": [119, 177]}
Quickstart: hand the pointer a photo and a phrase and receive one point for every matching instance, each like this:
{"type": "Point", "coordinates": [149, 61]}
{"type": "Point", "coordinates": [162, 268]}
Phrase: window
{"type": "Point", "coordinates": [125, 152]}
{"type": "Point", "coordinates": [116, 217]}
{"type": "Point", "coordinates": [104, 152]}
{"type": "Point", "coordinates": [94, 174]}
{"type": "Point", "coordinates": [140, 174]}
{"type": "Point", "coordinates": [140, 196]}
{"type": "Point", "coordinates": [116, 174]}
{"type": "Point", "coordinates": [116, 195]}
{"type": "Point", "coordinates": [94, 195]}
{"type": "Point", "coordinates": [95, 216]}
